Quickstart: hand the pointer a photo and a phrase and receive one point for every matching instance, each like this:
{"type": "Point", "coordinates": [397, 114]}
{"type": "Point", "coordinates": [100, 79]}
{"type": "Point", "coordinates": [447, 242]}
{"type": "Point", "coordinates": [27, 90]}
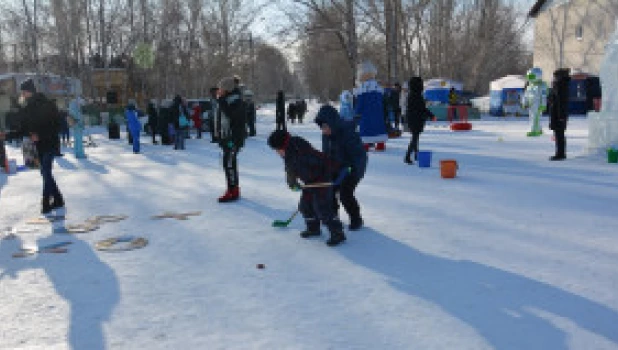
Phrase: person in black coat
{"type": "Point", "coordinates": [232, 134]}
{"type": "Point", "coordinates": [280, 111]}
{"type": "Point", "coordinates": [153, 119]}
{"type": "Point", "coordinates": [558, 102]}
{"type": "Point", "coordinates": [292, 112]}
{"type": "Point", "coordinates": [214, 112]}
{"type": "Point", "coordinates": [305, 163]}
{"type": "Point", "coordinates": [250, 109]}
{"type": "Point", "coordinates": [163, 123]}
{"type": "Point", "coordinates": [417, 114]}
{"type": "Point", "coordinates": [301, 107]}
{"type": "Point", "coordinates": [40, 120]}
{"type": "Point", "coordinates": [342, 144]}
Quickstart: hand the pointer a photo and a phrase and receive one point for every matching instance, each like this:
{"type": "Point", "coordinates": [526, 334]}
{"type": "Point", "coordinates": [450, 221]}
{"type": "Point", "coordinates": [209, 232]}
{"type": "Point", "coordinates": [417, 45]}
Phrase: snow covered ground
{"type": "Point", "coordinates": [515, 253]}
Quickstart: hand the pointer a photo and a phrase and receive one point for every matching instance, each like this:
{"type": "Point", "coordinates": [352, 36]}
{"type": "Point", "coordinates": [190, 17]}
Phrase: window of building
{"type": "Point", "coordinates": [579, 32]}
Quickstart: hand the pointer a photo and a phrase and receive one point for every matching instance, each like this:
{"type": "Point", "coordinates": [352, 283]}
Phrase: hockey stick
{"type": "Point", "coordinates": [337, 181]}
{"type": "Point", "coordinates": [285, 223]}
{"type": "Point", "coordinates": [317, 185]}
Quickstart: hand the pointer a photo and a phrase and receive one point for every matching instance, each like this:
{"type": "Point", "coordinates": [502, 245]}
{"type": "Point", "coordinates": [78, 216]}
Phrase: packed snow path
{"type": "Point", "coordinates": [515, 253]}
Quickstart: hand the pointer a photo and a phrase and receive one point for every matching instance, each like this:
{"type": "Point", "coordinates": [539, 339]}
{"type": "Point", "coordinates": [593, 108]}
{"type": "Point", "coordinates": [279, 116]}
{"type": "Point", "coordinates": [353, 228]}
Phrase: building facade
{"type": "Point", "coordinates": [572, 34]}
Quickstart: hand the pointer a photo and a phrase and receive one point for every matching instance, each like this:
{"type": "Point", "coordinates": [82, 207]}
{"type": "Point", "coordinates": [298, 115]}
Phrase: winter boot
{"type": "Point", "coordinates": [230, 195]}
{"type": "Point", "coordinates": [558, 157]}
{"type": "Point", "coordinates": [336, 237]}
{"type": "Point", "coordinates": [46, 207]}
{"type": "Point", "coordinates": [312, 230]}
{"type": "Point", "coordinates": [407, 159]}
{"type": "Point", "coordinates": [356, 223]}
{"type": "Point", "coordinates": [380, 146]}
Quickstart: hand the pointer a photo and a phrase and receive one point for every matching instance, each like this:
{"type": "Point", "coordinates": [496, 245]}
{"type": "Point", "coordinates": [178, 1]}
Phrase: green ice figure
{"type": "Point", "coordinates": [535, 99]}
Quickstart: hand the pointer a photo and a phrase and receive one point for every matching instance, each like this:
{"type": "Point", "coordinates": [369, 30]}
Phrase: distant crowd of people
{"type": "Point", "coordinates": [366, 117]}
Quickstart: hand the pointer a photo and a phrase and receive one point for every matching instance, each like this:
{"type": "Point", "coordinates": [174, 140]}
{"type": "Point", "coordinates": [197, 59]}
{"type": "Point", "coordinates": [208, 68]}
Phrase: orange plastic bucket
{"type": "Point", "coordinates": [448, 168]}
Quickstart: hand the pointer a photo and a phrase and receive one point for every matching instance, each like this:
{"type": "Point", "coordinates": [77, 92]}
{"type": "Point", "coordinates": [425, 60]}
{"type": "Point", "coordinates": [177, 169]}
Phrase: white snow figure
{"type": "Point", "coordinates": [609, 75]}
{"type": "Point", "coordinates": [369, 106]}
{"type": "Point", "coordinates": [535, 99]}
{"type": "Point", "coordinates": [603, 126]}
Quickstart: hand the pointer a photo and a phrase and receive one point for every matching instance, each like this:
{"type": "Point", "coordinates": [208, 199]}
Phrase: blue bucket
{"type": "Point", "coordinates": [424, 159]}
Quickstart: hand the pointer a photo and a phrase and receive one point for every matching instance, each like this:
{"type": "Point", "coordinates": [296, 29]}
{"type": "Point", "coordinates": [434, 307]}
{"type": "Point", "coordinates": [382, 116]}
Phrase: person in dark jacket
{"type": "Point", "coordinates": [391, 106]}
{"type": "Point", "coordinates": [305, 163]}
{"type": "Point", "coordinates": [181, 120]}
{"type": "Point", "coordinates": [41, 121]}
{"type": "Point", "coordinates": [301, 109]}
{"type": "Point", "coordinates": [342, 144]}
{"type": "Point", "coordinates": [65, 132]}
{"type": "Point", "coordinates": [292, 112]}
{"type": "Point", "coordinates": [153, 122]}
{"type": "Point", "coordinates": [559, 110]}
{"type": "Point", "coordinates": [232, 134]}
{"type": "Point", "coordinates": [250, 109]}
{"type": "Point", "coordinates": [280, 111]}
{"type": "Point", "coordinates": [214, 112]}
{"type": "Point", "coordinates": [163, 122]}
{"type": "Point", "coordinates": [417, 114]}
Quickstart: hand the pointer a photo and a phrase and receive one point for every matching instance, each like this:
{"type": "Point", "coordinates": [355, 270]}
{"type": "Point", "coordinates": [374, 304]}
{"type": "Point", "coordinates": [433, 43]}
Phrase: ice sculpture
{"type": "Point", "coordinates": [603, 126]}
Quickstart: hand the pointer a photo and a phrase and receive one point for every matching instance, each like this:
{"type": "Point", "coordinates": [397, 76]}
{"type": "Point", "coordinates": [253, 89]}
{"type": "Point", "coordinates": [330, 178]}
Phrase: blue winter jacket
{"type": "Point", "coordinates": [343, 145]}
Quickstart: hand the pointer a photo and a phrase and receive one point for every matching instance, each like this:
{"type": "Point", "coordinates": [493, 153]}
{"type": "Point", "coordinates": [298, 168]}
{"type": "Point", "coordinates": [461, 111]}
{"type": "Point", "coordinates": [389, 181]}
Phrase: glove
{"type": "Point", "coordinates": [230, 144]}
{"type": "Point", "coordinates": [292, 182]}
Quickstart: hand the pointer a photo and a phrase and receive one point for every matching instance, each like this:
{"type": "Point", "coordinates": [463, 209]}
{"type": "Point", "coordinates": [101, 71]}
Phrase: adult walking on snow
{"type": "Point", "coordinates": [214, 113]}
{"type": "Point", "coordinates": [304, 162]}
{"type": "Point", "coordinates": [153, 121]}
{"type": "Point", "coordinates": [559, 110]}
{"type": "Point", "coordinates": [250, 110]}
{"type": "Point", "coordinates": [232, 134]}
{"type": "Point", "coordinates": [40, 120]}
{"type": "Point", "coordinates": [134, 126]}
{"type": "Point", "coordinates": [370, 107]}
{"type": "Point", "coordinates": [417, 114]}
{"type": "Point", "coordinates": [180, 116]}
{"type": "Point", "coordinates": [342, 144]}
{"type": "Point", "coordinates": [280, 111]}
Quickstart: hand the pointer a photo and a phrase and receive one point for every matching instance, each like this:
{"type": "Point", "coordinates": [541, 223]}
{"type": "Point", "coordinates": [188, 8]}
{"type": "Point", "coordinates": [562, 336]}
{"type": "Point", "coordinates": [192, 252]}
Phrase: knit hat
{"type": "Point", "coordinates": [366, 71]}
{"type": "Point", "coordinates": [278, 139]}
{"type": "Point", "coordinates": [227, 84]}
{"type": "Point", "coordinates": [28, 85]}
